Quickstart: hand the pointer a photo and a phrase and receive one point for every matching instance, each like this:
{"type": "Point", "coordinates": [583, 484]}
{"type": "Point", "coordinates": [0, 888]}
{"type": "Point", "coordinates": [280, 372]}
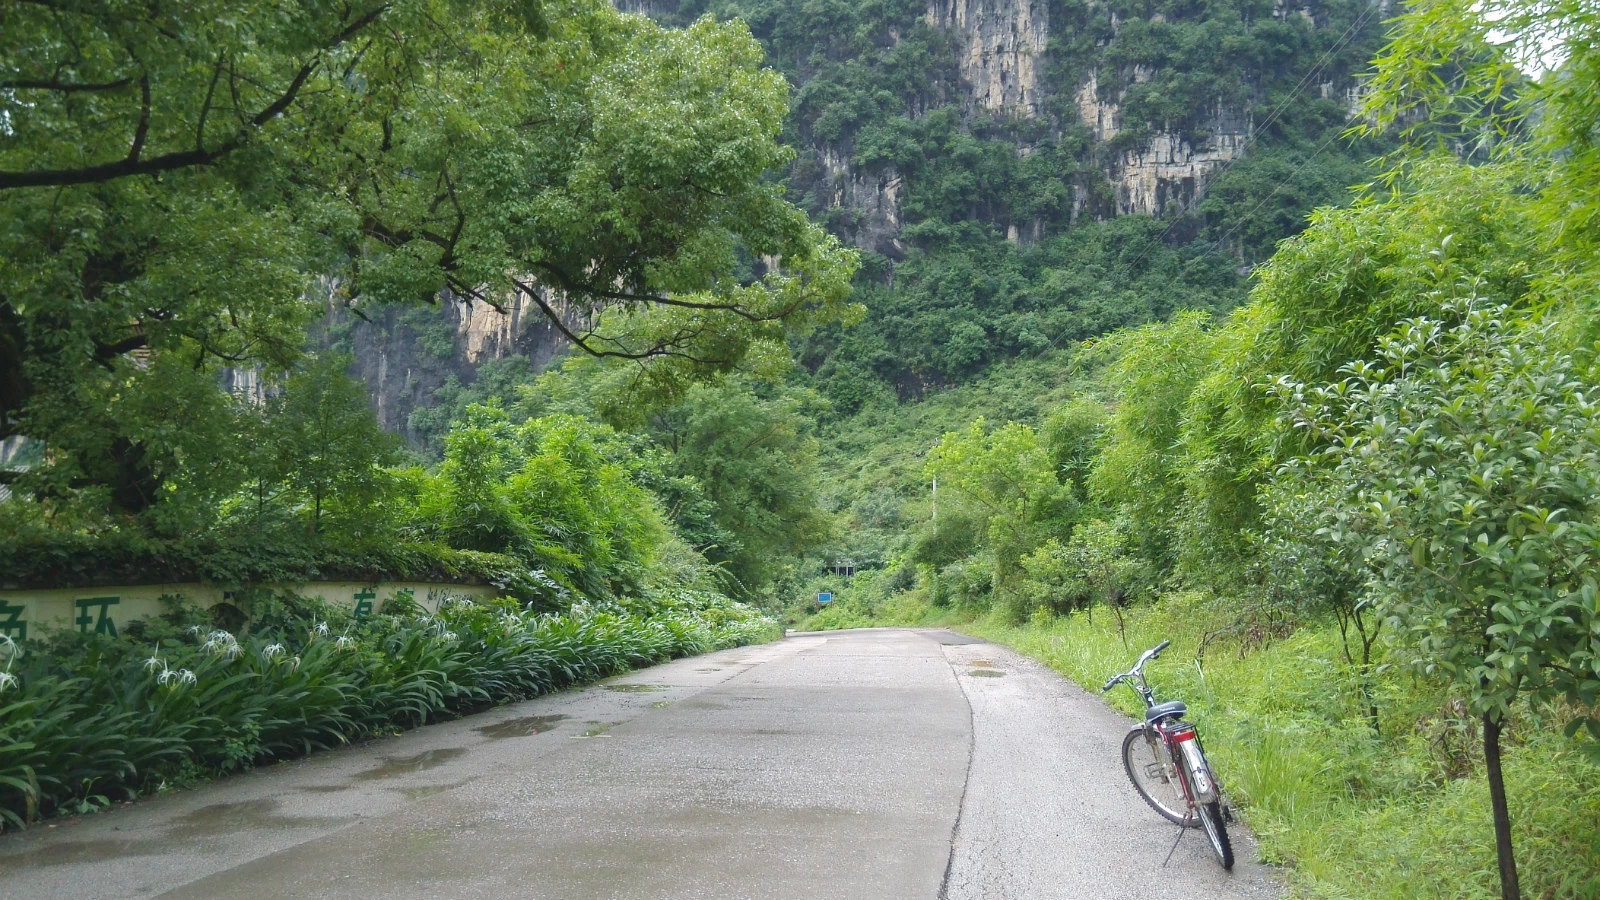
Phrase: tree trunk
{"type": "Point", "coordinates": [1509, 888]}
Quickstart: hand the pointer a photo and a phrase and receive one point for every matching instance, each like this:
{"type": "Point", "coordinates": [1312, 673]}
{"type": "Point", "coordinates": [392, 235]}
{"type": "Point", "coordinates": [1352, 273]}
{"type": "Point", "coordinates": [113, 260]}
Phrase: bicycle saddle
{"type": "Point", "coordinates": [1165, 710]}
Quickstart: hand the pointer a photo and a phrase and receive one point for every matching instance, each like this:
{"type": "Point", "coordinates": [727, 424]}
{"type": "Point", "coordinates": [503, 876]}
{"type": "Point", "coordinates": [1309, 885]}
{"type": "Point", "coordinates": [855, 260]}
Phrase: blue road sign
{"type": "Point", "coordinates": [824, 597]}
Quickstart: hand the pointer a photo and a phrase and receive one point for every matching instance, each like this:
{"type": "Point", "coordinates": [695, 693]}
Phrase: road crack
{"type": "Point", "coordinates": [966, 780]}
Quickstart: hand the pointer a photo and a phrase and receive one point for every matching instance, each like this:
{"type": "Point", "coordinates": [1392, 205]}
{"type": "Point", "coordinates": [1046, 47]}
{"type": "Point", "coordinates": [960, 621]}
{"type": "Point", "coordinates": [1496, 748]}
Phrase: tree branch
{"type": "Point", "coordinates": [200, 155]}
{"type": "Point", "coordinates": [205, 108]}
{"type": "Point", "coordinates": [143, 130]}
{"type": "Point", "coordinates": [662, 348]}
{"type": "Point", "coordinates": [576, 286]}
{"type": "Point", "coordinates": [105, 353]}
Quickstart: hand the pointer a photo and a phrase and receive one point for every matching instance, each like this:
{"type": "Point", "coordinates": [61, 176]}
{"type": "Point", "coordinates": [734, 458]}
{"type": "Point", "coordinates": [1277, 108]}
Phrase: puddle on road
{"type": "Point", "coordinates": [525, 726]}
{"type": "Point", "coordinates": [980, 662]}
{"type": "Point", "coordinates": [394, 766]}
{"type": "Point", "coordinates": [987, 673]}
{"type": "Point", "coordinates": [218, 819]}
{"type": "Point", "coordinates": [217, 822]}
{"type": "Point", "coordinates": [66, 853]}
{"type": "Point", "coordinates": [635, 688]}
{"type": "Point", "coordinates": [708, 670]}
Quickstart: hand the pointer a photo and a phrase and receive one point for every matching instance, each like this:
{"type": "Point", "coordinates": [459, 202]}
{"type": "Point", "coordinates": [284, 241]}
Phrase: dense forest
{"type": "Point", "coordinates": [1268, 329]}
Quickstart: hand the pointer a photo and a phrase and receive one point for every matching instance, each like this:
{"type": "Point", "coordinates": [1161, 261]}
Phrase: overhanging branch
{"type": "Point", "coordinates": [663, 348]}
{"type": "Point", "coordinates": [200, 155]}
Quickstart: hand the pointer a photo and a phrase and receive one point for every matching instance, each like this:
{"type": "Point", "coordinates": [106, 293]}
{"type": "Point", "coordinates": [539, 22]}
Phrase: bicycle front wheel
{"type": "Point", "coordinates": [1217, 831]}
{"type": "Point", "coordinates": [1155, 775]}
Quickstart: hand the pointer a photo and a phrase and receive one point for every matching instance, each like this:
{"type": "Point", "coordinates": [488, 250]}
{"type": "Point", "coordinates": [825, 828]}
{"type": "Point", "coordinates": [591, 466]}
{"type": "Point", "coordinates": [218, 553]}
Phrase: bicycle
{"type": "Point", "coordinates": [1168, 766]}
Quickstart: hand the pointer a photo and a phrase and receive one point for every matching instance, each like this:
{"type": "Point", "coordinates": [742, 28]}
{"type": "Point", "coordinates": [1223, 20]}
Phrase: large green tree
{"type": "Point", "coordinates": [193, 182]}
{"type": "Point", "coordinates": [755, 455]}
{"type": "Point", "coordinates": [1464, 461]}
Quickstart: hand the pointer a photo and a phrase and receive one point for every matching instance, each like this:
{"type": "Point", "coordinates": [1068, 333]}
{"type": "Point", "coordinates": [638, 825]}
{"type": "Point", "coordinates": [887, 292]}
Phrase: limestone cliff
{"type": "Point", "coordinates": [405, 355]}
{"type": "Point", "coordinates": [1012, 67]}
{"type": "Point", "coordinates": [873, 199]}
{"type": "Point", "coordinates": [1000, 51]}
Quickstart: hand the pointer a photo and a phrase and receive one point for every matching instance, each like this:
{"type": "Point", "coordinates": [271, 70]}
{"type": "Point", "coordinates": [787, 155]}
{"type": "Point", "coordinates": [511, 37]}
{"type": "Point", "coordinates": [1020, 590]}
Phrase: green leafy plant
{"type": "Point", "coordinates": [88, 719]}
{"type": "Point", "coordinates": [1471, 449]}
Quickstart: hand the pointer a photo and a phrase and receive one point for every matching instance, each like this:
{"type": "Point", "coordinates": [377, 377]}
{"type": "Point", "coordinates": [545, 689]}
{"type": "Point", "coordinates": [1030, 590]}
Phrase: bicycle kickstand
{"type": "Point", "coordinates": [1181, 829]}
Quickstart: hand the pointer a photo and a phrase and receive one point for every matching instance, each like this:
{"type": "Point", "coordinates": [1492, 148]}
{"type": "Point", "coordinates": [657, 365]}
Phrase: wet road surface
{"type": "Point", "coordinates": [882, 763]}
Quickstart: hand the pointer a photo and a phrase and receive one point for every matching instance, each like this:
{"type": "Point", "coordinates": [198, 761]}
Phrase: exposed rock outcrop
{"type": "Point", "coordinates": [873, 198]}
{"type": "Point", "coordinates": [652, 8]}
{"type": "Point", "coordinates": [1168, 173]}
{"type": "Point", "coordinates": [403, 369]}
{"type": "Point", "coordinates": [1001, 47]}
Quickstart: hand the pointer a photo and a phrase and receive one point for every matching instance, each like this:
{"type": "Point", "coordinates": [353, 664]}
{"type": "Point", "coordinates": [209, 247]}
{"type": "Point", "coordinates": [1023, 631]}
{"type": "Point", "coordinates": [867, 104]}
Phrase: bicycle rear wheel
{"type": "Point", "coordinates": [1217, 831]}
{"type": "Point", "coordinates": [1155, 775]}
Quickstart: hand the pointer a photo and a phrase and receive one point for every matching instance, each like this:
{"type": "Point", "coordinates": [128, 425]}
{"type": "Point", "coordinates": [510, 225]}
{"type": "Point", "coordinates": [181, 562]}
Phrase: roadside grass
{"type": "Point", "coordinates": [1348, 811]}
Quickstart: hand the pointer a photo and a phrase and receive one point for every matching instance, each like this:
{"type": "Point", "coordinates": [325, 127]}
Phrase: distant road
{"type": "Point", "coordinates": [867, 765]}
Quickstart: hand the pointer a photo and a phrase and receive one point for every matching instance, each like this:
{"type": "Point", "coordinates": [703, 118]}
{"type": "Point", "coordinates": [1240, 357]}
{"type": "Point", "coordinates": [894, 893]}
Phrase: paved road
{"type": "Point", "coordinates": [867, 764]}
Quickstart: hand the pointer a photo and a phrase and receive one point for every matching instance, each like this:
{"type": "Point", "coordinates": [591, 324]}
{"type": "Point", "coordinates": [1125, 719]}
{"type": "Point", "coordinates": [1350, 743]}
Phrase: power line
{"type": "Point", "coordinates": [1278, 187]}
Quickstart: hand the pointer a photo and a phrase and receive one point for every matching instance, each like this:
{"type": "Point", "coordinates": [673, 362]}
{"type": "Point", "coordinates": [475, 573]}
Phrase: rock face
{"type": "Point", "coordinates": [873, 198]}
{"type": "Point", "coordinates": [1003, 57]}
{"type": "Point", "coordinates": [403, 363]}
{"type": "Point", "coordinates": [1167, 174]}
{"type": "Point", "coordinates": [1001, 48]}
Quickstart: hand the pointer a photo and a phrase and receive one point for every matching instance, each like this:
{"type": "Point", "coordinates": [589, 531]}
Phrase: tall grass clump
{"type": "Point", "coordinates": [86, 720]}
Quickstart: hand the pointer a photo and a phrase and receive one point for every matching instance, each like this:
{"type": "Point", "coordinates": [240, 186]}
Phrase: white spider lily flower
{"type": "Point", "coordinates": [155, 661]}
{"type": "Point", "coordinates": [320, 630]}
{"type": "Point", "coordinates": [7, 680]}
{"type": "Point", "coordinates": [272, 651]}
{"type": "Point", "coordinates": [294, 663]}
{"type": "Point", "coordinates": [194, 630]}
{"type": "Point", "coordinates": [448, 637]}
{"type": "Point", "coordinates": [345, 642]}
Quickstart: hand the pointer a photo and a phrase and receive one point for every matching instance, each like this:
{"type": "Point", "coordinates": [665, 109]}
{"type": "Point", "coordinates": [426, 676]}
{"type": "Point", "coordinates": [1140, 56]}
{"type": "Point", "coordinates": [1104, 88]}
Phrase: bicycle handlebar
{"type": "Point", "coordinates": [1152, 653]}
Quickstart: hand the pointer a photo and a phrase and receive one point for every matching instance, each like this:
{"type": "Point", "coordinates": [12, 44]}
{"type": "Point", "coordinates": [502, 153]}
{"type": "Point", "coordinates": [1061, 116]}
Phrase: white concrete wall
{"type": "Point", "coordinates": [105, 610]}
